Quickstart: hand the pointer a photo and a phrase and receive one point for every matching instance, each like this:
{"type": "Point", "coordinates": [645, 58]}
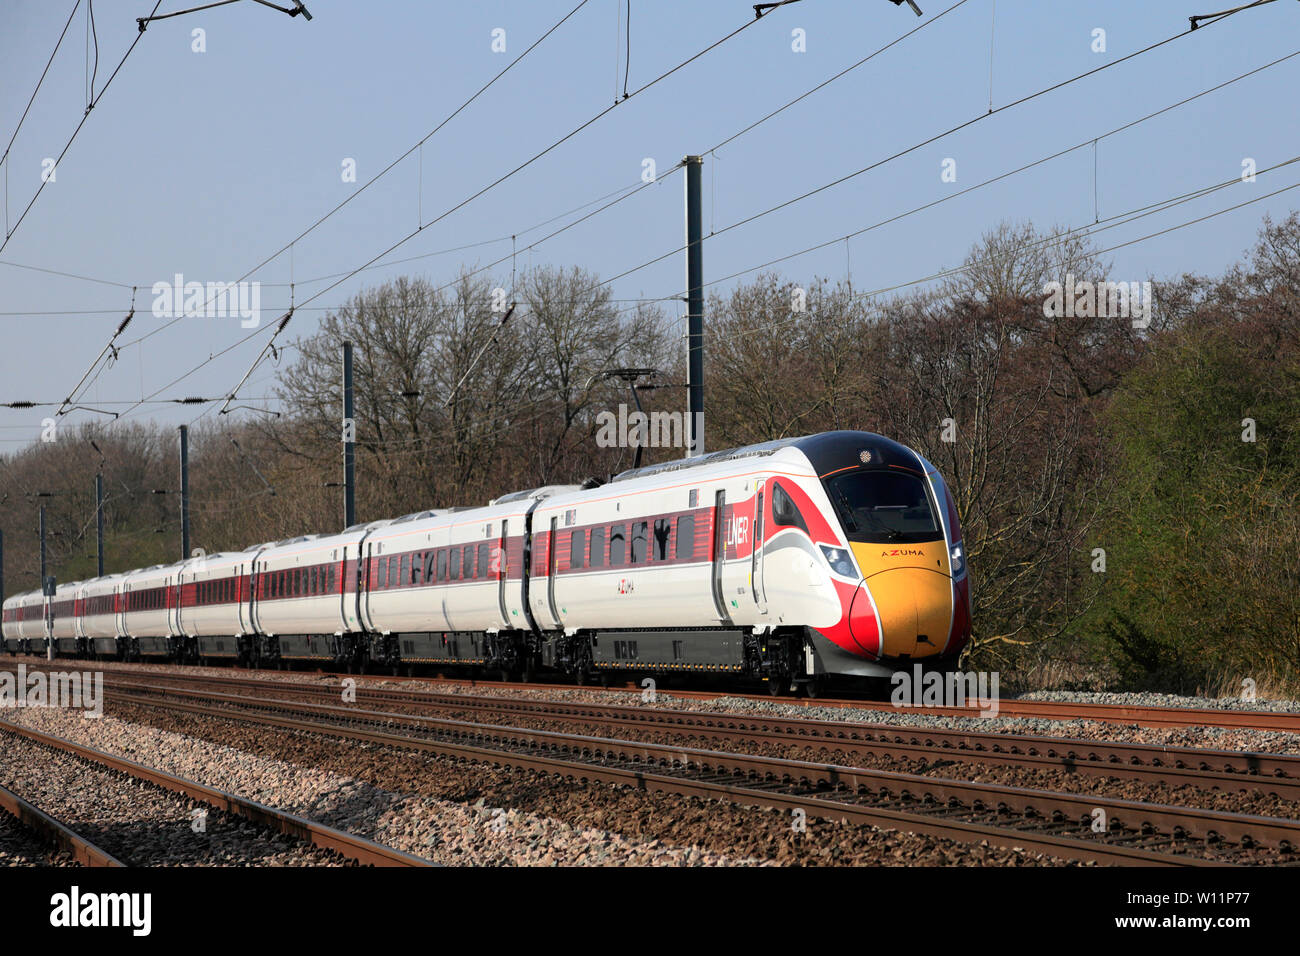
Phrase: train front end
{"type": "Point", "coordinates": [902, 580]}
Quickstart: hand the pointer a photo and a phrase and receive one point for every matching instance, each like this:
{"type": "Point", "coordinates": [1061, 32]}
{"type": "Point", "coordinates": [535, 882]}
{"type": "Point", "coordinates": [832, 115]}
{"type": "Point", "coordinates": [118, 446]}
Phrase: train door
{"type": "Point", "coordinates": [719, 553]}
{"type": "Point", "coordinates": [343, 589]}
{"type": "Point", "coordinates": [552, 543]}
{"type": "Point", "coordinates": [756, 566]}
{"type": "Point", "coordinates": [173, 592]}
{"type": "Point", "coordinates": [242, 602]}
{"type": "Point", "coordinates": [178, 616]}
{"type": "Point", "coordinates": [502, 569]}
{"type": "Point", "coordinates": [363, 588]}
{"type": "Point", "coordinates": [255, 596]}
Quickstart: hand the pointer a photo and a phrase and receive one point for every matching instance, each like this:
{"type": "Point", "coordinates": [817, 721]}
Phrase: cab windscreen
{"type": "Point", "coordinates": [880, 506]}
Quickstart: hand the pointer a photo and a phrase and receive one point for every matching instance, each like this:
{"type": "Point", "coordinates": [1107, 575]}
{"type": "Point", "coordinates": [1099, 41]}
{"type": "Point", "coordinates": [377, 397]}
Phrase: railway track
{"type": "Point", "coordinates": [258, 819]}
{"type": "Point", "coordinates": [46, 831]}
{"type": "Point", "coordinates": [1127, 714]}
{"type": "Point", "coordinates": [1207, 769]}
{"type": "Point", "coordinates": [1031, 709]}
{"type": "Point", "coordinates": [1060, 824]}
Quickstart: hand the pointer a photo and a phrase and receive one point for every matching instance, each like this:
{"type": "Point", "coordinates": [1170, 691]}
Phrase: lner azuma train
{"type": "Point", "coordinates": [838, 554]}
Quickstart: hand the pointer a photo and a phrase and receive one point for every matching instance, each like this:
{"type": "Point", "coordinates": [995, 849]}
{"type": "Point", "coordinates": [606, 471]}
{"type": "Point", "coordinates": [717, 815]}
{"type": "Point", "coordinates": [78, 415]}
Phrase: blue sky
{"type": "Point", "coordinates": [206, 163]}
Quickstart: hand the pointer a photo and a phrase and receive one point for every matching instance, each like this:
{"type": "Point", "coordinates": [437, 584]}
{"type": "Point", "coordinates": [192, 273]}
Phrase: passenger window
{"type": "Point", "coordinates": [468, 570]}
{"type": "Point", "coordinates": [685, 549]}
{"type": "Point", "coordinates": [442, 564]}
{"type": "Point", "coordinates": [617, 545]}
{"type": "Point", "coordinates": [639, 530]}
{"type": "Point", "coordinates": [405, 573]}
{"type": "Point", "coordinates": [428, 566]}
{"type": "Point", "coordinates": [663, 527]}
{"type": "Point", "coordinates": [597, 548]}
{"type": "Point", "coordinates": [483, 560]}
{"type": "Point", "coordinates": [453, 573]}
{"type": "Point", "coordinates": [577, 549]}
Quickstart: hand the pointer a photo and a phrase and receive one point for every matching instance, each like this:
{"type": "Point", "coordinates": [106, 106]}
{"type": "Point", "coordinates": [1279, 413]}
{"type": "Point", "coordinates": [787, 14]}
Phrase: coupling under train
{"type": "Point", "coordinates": [791, 561]}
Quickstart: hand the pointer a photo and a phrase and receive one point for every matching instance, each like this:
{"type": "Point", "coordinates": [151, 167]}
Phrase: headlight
{"type": "Point", "coordinates": [958, 560]}
{"type": "Point", "coordinates": [839, 560]}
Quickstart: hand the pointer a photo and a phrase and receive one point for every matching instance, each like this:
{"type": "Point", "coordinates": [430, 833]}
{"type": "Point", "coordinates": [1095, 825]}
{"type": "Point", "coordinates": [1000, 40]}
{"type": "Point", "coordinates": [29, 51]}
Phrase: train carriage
{"type": "Point", "coordinates": [19, 611]}
{"type": "Point", "coordinates": [446, 585]}
{"type": "Point", "coordinates": [149, 609]}
{"type": "Point", "coordinates": [213, 618]}
{"type": "Point", "coordinates": [65, 624]}
{"type": "Point", "coordinates": [299, 598]}
{"type": "Point", "coordinates": [834, 554]}
{"type": "Point", "coordinates": [100, 615]}
{"type": "Point", "coordinates": [32, 627]}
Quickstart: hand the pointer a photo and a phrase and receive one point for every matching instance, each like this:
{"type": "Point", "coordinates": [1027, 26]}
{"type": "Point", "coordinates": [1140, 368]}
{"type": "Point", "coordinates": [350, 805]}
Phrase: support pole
{"type": "Point", "coordinates": [42, 534]}
{"type": "Point", "coordinates": [695, 305]}
{"type": "Point", "coordinates": [99, 525]}
{"type": "Point", "coordinates": [185, 493]}
{"type": "Point", "coordinates": [349, 443]}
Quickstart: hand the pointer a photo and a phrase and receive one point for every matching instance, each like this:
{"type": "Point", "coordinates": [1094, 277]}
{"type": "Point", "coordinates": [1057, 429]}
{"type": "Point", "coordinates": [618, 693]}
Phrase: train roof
{"type": "Point", "coordinates": [545, 491]}
{"type": "Point", "coordinates": [826, 451]}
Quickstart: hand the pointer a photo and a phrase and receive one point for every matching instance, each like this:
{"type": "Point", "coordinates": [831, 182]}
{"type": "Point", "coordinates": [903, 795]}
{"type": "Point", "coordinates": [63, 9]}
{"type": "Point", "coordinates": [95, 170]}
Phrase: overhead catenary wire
{"type": "Point", "coordinates": [416, 147]}
{"type": "Point", "coordinates": [32, 99]}
{"type": "Point", "coordinates": [1083, 144]}
{"type": "Point", "coordinates": [352, 273]}
{"type": "Point", "coordinates": [676, 250]}
{"type": "Point", "coordinates": [9, 233]}
{"type": "Point", "coordinates": [1085, 231]}
{"type": "Point", "coordinates": [955, 129]}
{"type": "Point", "coordinates": [492, 185]}
{"type": "Point", "coordinates": [109, 347]}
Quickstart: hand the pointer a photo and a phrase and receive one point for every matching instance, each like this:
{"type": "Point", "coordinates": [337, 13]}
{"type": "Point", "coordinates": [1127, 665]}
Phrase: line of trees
{"type": "Point", "coordinates": [1128, 492]}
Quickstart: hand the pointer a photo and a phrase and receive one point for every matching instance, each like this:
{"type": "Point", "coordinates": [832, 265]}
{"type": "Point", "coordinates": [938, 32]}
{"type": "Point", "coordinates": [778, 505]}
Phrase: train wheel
{"type": "Point", "coordinates": [812, 689]}
{"type": "Point", "coordinates": [774, 687]}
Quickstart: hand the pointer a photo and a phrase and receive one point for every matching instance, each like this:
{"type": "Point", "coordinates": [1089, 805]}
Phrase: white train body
{"type": "Point", "coordinates": [835, 554]}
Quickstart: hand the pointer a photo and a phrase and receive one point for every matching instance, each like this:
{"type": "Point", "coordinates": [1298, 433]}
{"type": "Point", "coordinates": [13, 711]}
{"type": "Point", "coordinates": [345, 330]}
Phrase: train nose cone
{"type": "Point", "coordinates": [915, 610]}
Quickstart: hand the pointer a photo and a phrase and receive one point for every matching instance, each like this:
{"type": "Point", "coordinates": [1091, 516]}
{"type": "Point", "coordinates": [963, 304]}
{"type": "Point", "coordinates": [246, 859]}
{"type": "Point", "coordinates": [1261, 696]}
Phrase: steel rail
{"type": "Point", "coordinates": [318, 834]}
{"type": "Point", "coordinates": [80, 848]}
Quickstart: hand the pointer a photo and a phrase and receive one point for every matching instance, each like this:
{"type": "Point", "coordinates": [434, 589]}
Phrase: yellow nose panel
{"type": "Point", "coordinates": [874, 558]}
{"type": "Point", "coordinates": [913, 595]}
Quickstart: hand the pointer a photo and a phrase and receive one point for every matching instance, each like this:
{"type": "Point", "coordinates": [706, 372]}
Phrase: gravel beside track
{"type": "Point", "coordinates": [140, 824]}
{"type": "Point", "coordinates": [19, 846]}
{"type": "Point", "coordinates": [461, 813]}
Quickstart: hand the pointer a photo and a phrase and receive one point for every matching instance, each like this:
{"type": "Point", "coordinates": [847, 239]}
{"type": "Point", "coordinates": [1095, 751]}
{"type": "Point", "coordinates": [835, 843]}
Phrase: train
{"type": "Point", "coordinates": [793, 562]}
